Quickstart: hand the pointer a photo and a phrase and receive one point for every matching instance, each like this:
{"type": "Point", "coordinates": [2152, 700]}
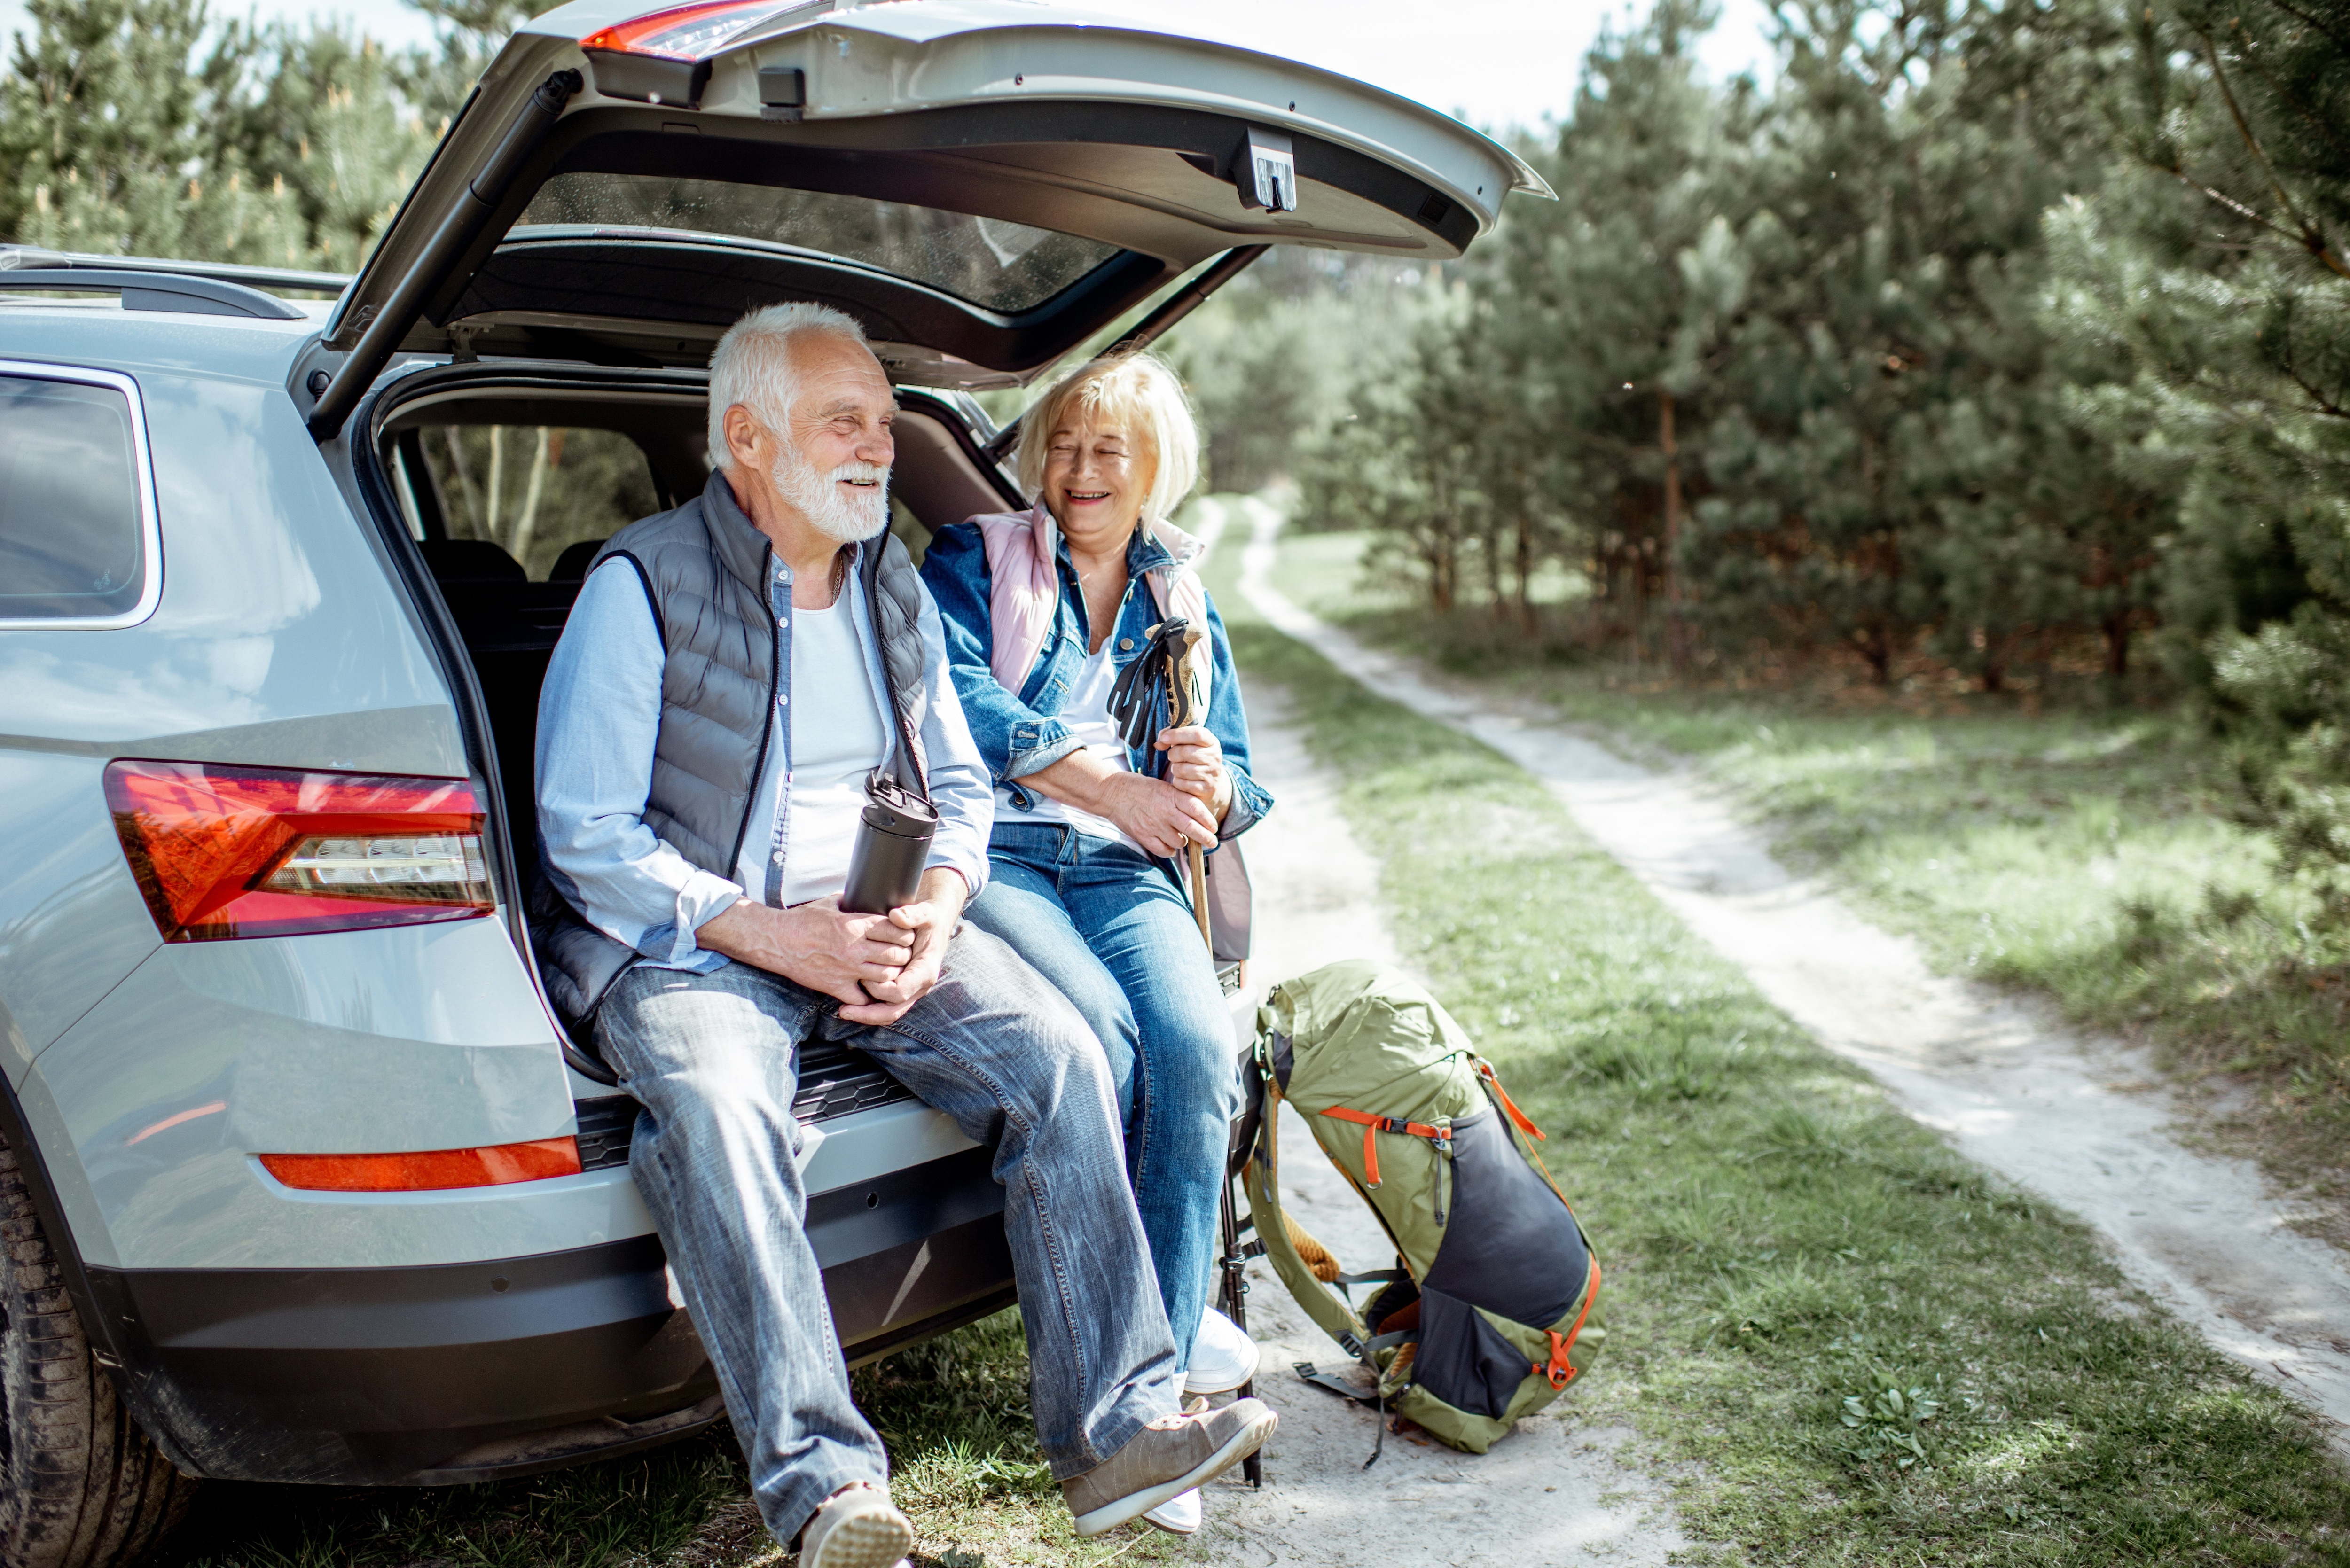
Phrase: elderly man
{"type": "Point", "coordinates": [733, 673]}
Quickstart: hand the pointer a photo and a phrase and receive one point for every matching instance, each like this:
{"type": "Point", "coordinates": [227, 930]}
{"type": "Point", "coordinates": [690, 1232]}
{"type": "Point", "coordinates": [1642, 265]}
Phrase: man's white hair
{"type": "Point", "coordinates": [752, 366]}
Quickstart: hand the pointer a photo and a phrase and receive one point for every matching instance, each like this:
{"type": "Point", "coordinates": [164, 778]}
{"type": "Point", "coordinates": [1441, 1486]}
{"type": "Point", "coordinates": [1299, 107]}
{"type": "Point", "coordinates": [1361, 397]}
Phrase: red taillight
{"type": "Point", "coordinates": [432, 1170]}
{"type": "Point", "coordinates": [227, 851]}
{"type": "Point", "coordinates": [683, 32]}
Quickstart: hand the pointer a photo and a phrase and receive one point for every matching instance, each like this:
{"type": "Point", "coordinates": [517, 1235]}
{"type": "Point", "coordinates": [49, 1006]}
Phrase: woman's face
{"type": "Point", "coordinates": [1096, 477]}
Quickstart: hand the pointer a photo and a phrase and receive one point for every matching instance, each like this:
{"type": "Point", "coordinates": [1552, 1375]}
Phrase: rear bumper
{"type": "Point", "coordinates": [471, 1371]}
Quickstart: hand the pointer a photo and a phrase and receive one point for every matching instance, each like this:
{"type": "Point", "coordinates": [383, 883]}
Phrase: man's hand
{"type": "Point", "coordinates": [1195, 764]}
{"type": "Point", "coordinates": [928, 923]}
{"type": "Point", "coordinates": [815, 944]}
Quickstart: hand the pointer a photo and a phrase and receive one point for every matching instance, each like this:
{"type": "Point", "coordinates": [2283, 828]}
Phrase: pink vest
{"type": "Point", "coordinates": [1024, 590]}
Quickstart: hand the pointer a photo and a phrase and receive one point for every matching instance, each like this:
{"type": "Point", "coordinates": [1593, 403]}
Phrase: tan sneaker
{"type": "Point", "coordinates": [1166, 1459]}
{"type": "Point", "coordinates": [857, 1527]}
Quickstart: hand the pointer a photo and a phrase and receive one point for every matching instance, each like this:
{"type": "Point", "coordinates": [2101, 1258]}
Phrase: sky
{"type": "Point", "coordinates": [1496, 63]}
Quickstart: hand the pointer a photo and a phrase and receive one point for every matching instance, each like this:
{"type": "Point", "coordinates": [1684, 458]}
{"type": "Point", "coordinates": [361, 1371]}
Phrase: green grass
{"type": "Point", "coordinates": [954, 1413]}
{"type": "Point", "coordinates": [1784, 1249]}
{"type": "Point", "coordinates": [2088, 856]}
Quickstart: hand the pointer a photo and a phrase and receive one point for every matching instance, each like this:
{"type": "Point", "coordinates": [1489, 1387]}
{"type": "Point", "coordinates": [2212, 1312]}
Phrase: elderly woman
{"type": "Point", "coordinates": [1044, 611]}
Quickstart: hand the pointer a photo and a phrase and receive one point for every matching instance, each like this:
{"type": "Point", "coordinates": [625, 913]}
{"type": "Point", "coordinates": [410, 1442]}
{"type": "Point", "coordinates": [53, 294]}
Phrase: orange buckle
{"type": "Point", "coordinates": [1558, 1370]}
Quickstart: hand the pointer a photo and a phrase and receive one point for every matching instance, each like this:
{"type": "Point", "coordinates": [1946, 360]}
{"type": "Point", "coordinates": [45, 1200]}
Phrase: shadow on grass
{"type": "Point", "coordinates": [953, 1412]}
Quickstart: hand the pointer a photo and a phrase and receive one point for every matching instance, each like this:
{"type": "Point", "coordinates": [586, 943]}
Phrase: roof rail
{"type": "Point", "coordinates": [154, 291]}
{"type": "Point", "coordinates": [14, 258]}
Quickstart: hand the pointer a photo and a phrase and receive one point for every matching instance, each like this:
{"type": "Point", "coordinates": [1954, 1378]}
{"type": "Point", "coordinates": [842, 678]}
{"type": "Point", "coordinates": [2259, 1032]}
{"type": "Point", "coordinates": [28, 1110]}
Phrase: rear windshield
{"type": "Point", "coordinates": [1000, 266]}
{"type": "Point", "coordinates": [70, 534]}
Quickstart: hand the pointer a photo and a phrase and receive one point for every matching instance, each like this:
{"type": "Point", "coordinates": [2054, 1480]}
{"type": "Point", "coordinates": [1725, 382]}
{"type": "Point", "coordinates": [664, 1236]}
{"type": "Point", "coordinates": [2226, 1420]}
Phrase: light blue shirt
{"type": "Point", "coordinates": [598, 714]}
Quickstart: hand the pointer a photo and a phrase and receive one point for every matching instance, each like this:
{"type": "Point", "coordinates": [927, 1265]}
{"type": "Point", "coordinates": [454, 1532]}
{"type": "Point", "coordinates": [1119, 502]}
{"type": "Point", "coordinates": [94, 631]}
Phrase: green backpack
{"type": "Point", "coordinates": [1487, 1319]}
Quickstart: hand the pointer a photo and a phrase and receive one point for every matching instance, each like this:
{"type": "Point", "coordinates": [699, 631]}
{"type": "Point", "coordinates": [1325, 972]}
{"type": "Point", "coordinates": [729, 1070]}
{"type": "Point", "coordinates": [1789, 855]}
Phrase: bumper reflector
{"type": "Point", "coordinates": [428, 1171]}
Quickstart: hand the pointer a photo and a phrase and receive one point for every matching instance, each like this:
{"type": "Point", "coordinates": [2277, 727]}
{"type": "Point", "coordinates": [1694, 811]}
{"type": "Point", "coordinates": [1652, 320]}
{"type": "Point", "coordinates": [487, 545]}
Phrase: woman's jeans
{"type": "Point", "coordinates": [1115, 934]}
{"type": "Point", "coordinates": [710, 1057]}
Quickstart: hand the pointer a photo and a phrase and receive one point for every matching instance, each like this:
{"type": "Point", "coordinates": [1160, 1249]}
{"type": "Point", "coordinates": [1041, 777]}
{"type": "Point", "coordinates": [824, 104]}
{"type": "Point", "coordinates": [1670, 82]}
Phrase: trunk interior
{"type": "Point", "coordinates": [508, 483]}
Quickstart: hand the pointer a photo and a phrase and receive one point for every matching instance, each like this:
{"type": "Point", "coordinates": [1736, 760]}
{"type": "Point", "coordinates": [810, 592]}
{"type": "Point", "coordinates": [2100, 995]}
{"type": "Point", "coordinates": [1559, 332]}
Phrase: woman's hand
{"type": "Point", "coordinates": [1156, 814]}
{"type": "Point", "coordinates": [1160, 817]}
{"type": "Point", "coordinates": [1195, 764]}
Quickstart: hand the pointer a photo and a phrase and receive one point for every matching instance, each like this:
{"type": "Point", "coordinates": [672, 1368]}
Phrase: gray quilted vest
{"type": "Point", "coordinates": [704, 568]}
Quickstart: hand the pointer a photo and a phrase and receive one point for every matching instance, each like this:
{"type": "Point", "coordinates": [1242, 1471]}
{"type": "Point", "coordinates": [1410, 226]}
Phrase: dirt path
{"type": "Point", "coordinates": [1552, 1494]}
{"type": "Point", "coordinates": [2082, 1121]}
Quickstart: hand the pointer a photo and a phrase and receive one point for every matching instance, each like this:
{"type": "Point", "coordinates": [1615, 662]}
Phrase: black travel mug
{"type": "Point", "coordinates": [893, 845]}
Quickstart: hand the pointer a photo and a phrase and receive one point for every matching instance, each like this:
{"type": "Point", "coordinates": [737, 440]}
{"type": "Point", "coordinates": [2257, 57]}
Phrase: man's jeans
{"type": "Point", "coordinates": [1113, 932]}
{"type": "Point", "coordinates": [711, 1058]}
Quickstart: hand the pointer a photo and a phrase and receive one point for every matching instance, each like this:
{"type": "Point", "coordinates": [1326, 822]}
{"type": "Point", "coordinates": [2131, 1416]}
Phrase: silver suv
{"type": "Point", "coordinates": [295, 1151]}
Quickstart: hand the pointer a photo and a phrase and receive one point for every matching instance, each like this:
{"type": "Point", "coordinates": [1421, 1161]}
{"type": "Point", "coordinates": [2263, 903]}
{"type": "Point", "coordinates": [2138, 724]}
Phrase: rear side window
{"type": "Point", "coordinates": [75, 542]}
{"type": "Point", "coordinates": [534, 491]}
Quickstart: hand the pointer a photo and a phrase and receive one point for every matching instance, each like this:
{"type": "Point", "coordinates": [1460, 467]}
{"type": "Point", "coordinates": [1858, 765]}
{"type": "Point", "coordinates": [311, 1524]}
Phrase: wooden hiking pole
{"type": "Point", "coordinates": [1187, 660]}
{"type": "Point", "coordinates": [1187, 685]}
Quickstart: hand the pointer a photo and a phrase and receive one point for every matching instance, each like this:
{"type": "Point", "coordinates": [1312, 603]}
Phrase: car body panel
{"type": "Point", "coordinates": [72, 922]}
{"type": "Point", "coordinates": [874, 1143]}
{"type": "Point", "coordinates": [412, 1037]}
{"type": "Point", "coordinates": [474, 1370]}
{"type": "Point", "coordinates": [275, 641]}
{"type": "Point", "coordinates": [326, 1043]}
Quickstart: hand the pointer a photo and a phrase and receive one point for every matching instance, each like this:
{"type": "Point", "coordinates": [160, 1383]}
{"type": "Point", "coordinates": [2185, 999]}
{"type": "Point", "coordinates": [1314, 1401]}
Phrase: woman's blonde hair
{"type": "Point", "coordinates": [1137, 393]}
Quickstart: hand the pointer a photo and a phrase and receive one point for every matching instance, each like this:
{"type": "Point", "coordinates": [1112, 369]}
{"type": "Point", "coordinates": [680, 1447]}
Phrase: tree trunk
{"type": "Point", "coordinates": [495, 483]}
{"type": "Point", "coordinates": [1525, 572]}
{"type": "Point", "coordinates": [1673, 627]}
{"type": "Point", "coordinates": [1876, 645]}
{"type": "Point", "coordinates": [526, 520]}
{"type": "Point", "coordinates": [2118, 645]}
{"type": "Point", "coordinates": [465, 490]}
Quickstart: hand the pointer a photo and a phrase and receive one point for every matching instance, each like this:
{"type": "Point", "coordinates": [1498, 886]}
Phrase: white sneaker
{"type": "Point", "coordinates": [857, 1528]}
{"type": "Point", "coordinates": [1178, 1515]}
{"type": "Point", "coordinates": [1222, 1357]}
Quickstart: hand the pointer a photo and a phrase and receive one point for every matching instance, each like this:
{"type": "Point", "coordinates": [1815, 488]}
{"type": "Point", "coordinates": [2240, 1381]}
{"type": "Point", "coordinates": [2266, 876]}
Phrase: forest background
{"type": "Point", "coordinates": [1984, 356]}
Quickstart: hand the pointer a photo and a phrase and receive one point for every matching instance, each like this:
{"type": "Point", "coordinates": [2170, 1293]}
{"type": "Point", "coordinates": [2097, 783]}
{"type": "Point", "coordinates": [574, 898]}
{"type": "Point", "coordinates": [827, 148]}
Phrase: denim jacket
{"type": "Point", "coordinates": [1022, 733]}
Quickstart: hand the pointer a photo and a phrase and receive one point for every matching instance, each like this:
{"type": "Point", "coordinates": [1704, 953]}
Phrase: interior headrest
{"type": "Point", "coordinates": [476, 559]}
{"type": "Point", "coordinates": [571, 566]}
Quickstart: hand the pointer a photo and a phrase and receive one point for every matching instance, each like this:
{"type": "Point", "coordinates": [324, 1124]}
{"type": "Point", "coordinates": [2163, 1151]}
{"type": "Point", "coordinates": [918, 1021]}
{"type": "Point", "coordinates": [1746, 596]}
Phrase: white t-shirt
{"type": "Point", "coordinates": [838, 735]}
{"type": "Point", "coordinates": [1086, 711]}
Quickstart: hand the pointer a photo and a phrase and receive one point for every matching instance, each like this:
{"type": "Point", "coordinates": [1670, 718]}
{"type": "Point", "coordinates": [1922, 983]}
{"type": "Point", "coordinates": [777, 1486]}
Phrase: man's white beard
{"type": "Point", "coordinates": [836, 511]}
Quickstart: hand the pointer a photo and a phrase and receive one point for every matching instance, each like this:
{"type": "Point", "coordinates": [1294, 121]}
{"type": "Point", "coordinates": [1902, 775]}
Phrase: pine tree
{"type": "Point", "coordinates": [2222, 272]}
{"type": "Point", "coordinates": [110, 123]}
{"type": "Point", "coordinates": [1607, 308]}
{"type": "Point", "coordinates": [136, 127]}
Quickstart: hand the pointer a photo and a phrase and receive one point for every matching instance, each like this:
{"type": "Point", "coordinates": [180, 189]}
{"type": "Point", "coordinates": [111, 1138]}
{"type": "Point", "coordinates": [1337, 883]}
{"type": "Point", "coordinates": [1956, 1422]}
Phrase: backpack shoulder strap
{"type": "Point", "coordinates": [1325, 1306]}
{"type": "Point", "coordinates": [1181, 596]}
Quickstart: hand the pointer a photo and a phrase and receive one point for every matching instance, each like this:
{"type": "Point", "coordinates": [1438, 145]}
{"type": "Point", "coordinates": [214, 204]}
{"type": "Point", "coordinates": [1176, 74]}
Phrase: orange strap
{"type": "Point", "coordinates": [1374, 1125]}
{"type": "Point", "coordinates": [1560, 1371]}
{"type": "Point", "coordinates": [1485, 1071]}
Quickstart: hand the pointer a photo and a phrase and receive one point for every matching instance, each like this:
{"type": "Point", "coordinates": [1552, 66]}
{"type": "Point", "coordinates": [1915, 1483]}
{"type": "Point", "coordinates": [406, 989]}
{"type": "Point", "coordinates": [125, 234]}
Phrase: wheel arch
{"type": "Point", "coordinates": [105, 1321]}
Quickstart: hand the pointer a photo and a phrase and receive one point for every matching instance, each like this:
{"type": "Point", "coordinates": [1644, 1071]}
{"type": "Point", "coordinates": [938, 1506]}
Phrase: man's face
{"type": "Point", "coordinates": [831, 461]}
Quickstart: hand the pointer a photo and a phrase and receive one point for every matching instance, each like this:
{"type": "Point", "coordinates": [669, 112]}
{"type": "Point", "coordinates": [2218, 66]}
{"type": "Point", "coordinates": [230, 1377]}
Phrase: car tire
{"type": "Point", "coordinates": [80, 1485]}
